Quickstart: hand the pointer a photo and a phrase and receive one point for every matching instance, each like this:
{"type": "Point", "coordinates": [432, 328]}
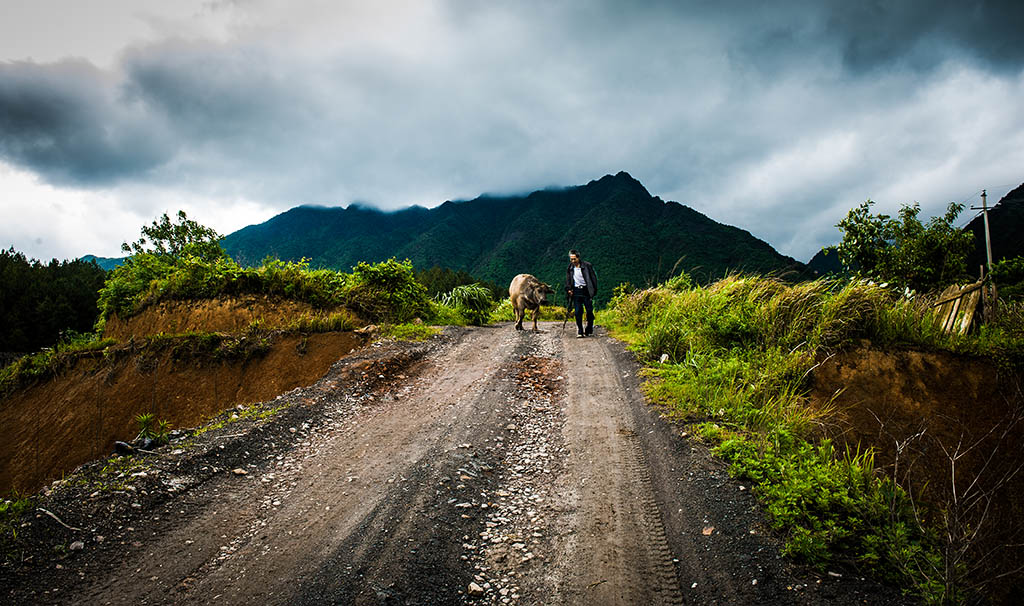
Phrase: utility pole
{"type": "Point", "coordinates": [988, 238]}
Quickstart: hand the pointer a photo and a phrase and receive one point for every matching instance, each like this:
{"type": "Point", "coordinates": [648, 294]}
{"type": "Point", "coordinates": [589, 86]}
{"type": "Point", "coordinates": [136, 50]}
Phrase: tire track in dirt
{"type": "Point", "coordinates": [615, 547]}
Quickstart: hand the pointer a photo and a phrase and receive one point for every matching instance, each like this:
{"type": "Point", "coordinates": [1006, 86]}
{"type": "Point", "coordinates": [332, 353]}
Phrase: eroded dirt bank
{"type": "Point", "coordinates": [487, 466]}
{"type": "Point", "coordinates": [951, 428]}
{"type": "Point", "coordinates": [222, 314]}
{"type": "Point", "coordinates": [48, 430]}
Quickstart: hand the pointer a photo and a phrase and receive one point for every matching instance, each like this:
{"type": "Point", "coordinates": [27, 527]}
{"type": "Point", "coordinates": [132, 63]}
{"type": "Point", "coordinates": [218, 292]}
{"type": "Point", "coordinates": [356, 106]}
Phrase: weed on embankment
{"type": "Point", "coordinates": [734, 361]}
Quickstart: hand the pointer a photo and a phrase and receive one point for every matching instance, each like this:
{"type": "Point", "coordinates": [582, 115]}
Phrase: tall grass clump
{"type": "Point", "coordinates": [734, 360]}
{"type": "Point", "coordinates": [471, 301]}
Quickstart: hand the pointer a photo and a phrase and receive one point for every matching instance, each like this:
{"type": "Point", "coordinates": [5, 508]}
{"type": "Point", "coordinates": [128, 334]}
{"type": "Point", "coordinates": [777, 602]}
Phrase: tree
{"type": "Point", "coordinates": [904, 251]}
{"type": "Point", "coordinates": [41, 303]}
{"type": "Point", "coordinates": [184, 236]}
{"type": "Point", "coordinates": [1008, 275]}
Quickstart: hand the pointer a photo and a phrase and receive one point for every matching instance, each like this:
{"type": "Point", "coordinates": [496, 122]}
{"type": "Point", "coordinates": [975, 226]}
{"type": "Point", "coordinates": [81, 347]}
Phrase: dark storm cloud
{"type": "Point", "coordinates": [62, 121]}
{"type": "Point", "coordinates": [922, 33]}
{"type": "Point", "coordinates": [779, 116]}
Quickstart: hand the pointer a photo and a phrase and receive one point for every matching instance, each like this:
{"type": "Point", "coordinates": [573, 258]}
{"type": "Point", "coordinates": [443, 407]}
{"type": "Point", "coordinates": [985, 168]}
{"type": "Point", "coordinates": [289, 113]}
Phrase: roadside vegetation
{"type": "Point", "coordinates": [732, 361]}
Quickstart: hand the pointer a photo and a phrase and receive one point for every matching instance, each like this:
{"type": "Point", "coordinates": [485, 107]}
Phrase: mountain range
{"type": "Point", "coordinates": [616, 224]}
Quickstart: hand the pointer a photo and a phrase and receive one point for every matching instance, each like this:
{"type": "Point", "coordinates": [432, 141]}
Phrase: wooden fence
{"type": "Point", "coordinates": [958, 306]}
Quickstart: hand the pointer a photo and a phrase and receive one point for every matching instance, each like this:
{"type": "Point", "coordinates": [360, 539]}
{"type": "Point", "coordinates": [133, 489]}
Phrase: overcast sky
{"type": "Point", "coordinates": [776, 117]}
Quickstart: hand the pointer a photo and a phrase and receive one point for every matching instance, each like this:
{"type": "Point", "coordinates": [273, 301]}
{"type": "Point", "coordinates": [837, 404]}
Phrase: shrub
{"type": "Point", "coordinates": [386, 292]}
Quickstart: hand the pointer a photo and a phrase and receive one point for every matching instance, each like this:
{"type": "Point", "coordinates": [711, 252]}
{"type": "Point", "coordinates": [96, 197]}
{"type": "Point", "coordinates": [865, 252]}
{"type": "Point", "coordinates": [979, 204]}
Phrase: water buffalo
{"type": "Point", "coordinates": [527, 292]}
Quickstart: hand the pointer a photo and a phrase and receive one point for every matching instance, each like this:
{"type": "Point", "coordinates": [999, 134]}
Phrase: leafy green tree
{"type": "Point", "coordinates": [163, 248]}
{"type": "Point", "coordinates": [903, 251]}
{"type": "Point", "coordinates": [176, 239]}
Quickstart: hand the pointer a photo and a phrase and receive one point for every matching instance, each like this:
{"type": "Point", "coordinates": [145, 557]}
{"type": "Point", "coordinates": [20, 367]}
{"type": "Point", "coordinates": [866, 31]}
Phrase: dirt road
{"type": "Point", "coordinates": [489, 467]}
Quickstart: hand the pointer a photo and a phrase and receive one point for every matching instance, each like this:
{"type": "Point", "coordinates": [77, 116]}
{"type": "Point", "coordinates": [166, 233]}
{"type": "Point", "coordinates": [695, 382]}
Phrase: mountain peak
{"type": "Point", "coordinates": [621, 180]}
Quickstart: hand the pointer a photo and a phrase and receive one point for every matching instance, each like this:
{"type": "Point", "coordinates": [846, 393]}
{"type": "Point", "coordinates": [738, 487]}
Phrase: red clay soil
{"type": "Point", "coordinates": [931, 417]}
{"type": "Point", "coordinates": [51, 428]}
{"type": "Point", "coordinates": [227, 314]}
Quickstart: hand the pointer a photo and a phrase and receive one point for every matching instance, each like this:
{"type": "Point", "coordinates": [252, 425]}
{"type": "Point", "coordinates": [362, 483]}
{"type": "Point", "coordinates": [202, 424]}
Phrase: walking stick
{"type": "Point", "coordinates": [568, 300]}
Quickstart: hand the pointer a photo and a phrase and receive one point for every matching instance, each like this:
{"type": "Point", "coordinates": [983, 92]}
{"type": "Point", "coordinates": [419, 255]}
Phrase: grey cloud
{"type": "Point", "coordinates": [64, 121]}
{"type": "Point", "coordinates": [921, 33]}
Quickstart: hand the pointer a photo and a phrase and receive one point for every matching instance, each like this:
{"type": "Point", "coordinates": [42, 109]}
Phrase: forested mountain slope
{"type": "Point", "coordinates": [628, 234]}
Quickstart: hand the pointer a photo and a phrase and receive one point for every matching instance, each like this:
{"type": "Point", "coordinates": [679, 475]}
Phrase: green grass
{"type": "Point", "coordinates": [734, 361]}
{"type": "Point", "coordinates": [40, 366]}
{"type": "Point", "coordinates": [409, 331]}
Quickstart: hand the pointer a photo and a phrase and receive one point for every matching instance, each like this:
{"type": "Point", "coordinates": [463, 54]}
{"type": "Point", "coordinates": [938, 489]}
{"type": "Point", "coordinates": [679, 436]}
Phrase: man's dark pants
{"type": "Point", "coordinates": [580, 300]}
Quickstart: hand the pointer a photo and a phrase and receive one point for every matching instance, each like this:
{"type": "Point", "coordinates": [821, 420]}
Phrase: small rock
{"type": "Point", "coordinates": [76, 546]}
{"type": "Point", "coordinates": [475, 590]}
{"type": "Point", "coordinates": [238, 471]}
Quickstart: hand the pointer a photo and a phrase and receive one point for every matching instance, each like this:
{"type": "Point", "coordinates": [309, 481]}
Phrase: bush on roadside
{"type": "Point", "coordinates": [386, 292]}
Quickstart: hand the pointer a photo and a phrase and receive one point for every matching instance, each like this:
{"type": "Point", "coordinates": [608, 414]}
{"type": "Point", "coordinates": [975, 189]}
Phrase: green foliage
{"type": "Point", "coordinates": [12, 511]}
{"type": "Point", "coordinates": [45, 364]}
{"type": "Point", "coordinates": [738, 356]}
{"type": "Point", "coordinates": [826, 501]}
{"type": "Point", "coordinates": [386, 292]}
{"type": "Point", "coordinates": [904, 251]}
{"type": "Point", "coordinates": [409, 331]}
{"type": "Point", "coordinates": [1008, 274]}
{"type": "Point", "coordinates": [335, 322]}
{"type": "Point", "coordinates": [183, 237]}
{"type": "Point", "coordinates": [147, 279]}
{"type": "Point", "coordinates": [472, 301]}
{"type": "Point", "coordinates": [184, 261]}
{"type": "Point", "coordinates": [41, 303]}
{"type": "Point", "coordinates": [159, 431]}
{"type": "Point", "coordinates": [442, 315]}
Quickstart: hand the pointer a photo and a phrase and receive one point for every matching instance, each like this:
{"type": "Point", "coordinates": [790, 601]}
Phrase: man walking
{"type": "Point", "coordinates": [580, 287]}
